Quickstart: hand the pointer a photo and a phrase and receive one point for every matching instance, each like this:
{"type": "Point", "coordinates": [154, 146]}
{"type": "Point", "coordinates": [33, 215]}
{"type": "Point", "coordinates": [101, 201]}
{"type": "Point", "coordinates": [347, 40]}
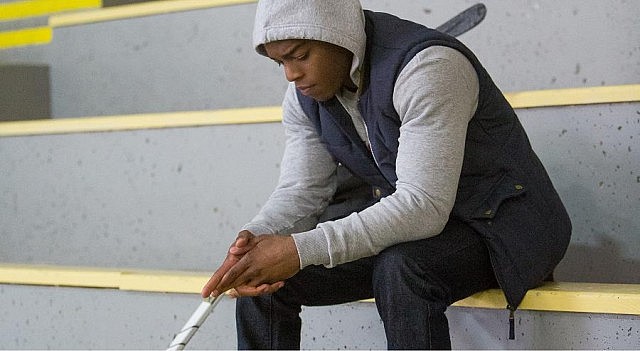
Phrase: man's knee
{"type": "Point", "coordinates": [394, 267]}
{"type": "Point", "coordinates": [397, 272]}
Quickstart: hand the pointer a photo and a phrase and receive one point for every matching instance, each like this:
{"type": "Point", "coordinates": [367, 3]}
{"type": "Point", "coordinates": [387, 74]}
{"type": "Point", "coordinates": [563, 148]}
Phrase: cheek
{"type": "Point", "coordinates": [331, 77]}
{"type": "Point", "coordinates": [328, 78]}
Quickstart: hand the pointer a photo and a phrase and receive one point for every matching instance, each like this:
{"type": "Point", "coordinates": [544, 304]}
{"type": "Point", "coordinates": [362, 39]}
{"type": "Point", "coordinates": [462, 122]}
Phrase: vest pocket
{"type": "Point", "coordinates": [485, 206]}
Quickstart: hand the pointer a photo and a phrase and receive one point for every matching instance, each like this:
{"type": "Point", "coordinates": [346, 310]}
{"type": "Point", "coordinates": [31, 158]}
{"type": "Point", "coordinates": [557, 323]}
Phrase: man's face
{"type": "Point", "coordinates": [318, 69]}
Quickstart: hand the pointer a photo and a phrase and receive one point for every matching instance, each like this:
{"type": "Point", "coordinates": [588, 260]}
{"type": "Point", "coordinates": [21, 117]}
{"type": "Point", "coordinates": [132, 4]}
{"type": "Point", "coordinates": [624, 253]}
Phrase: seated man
{"type": "Point", "coordinates": [445, 196]}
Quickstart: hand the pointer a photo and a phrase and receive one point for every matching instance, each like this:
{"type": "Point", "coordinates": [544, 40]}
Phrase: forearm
{"type": "Point", "coordinates": [307, 178]}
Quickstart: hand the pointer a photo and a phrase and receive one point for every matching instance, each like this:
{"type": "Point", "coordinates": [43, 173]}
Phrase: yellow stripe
{"type": "Point", "coordinates": [559, 296]}
{"type": "Point", "coordinates": [142, 121]}
{"type": "Point", "coordinates": [574, 96]}
{"type": "Point", "coordinates": [526, 99]}
{"type": "Point", "coordinates": [163, 281]}
{"type": "Point", "coordinates": [567, 297]}
{"type": "Point", "coordinates": [137, 10]}
{"type": "Point", "coordinates": [85, 277]}
{"type": "Point", "coordinates": [25, 9]}
{"type": "Point", "coordinates": [60, 276]}
{"type": "Point", "coordinates": [22, 37]}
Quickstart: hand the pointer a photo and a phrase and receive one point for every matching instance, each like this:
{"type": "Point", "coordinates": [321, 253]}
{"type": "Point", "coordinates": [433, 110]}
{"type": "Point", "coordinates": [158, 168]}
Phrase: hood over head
{"type": "Point", "coordinates": [338, 22]}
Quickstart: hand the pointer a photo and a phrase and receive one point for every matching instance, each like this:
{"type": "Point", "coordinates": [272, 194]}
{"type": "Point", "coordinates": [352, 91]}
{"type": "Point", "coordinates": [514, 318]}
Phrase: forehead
{"type": "Point", "coordinates": [281, 48]}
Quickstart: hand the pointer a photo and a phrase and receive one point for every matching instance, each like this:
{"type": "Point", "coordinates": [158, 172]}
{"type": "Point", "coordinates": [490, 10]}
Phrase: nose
{"type": "Point", "coordinates": [291, 72]}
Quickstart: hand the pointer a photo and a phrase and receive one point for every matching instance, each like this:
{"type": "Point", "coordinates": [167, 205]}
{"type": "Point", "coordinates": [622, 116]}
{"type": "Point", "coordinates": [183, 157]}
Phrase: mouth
{"type": "Point", "coordinates": [305, 90]}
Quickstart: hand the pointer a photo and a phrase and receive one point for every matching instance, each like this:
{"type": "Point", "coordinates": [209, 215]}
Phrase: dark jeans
{"type": "Point", "coordinates": [412, 283]}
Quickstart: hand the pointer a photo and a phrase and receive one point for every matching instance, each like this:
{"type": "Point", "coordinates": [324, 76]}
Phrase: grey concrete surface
{"type": "Point", "coordinates": [174, 198]}
{"type": "Point", "coordinates": [105, 319]}
{"type": "Point", "coordinates": [203, 59]}
{"type": "Point", "coordinates": [592, 154]}
{"type": "Point", "coordinates": [159, 199]}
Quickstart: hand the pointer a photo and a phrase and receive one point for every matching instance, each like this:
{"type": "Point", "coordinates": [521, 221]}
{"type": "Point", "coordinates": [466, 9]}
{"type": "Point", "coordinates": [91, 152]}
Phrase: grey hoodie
{"type": "Point", "coordinates": [435, 96]}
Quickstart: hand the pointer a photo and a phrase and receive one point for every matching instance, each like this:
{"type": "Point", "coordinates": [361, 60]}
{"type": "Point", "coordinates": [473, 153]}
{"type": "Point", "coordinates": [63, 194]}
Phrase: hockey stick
{"type": "Point", "coordinates": [464, 21]}
{"type": "Point", "coordinates": [460, 24]}
{"type": "Point", "coordinates": [193, 324]}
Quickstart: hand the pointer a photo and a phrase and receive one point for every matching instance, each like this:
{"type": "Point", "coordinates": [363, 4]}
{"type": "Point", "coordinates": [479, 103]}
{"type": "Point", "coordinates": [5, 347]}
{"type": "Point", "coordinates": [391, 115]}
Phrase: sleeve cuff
{"type": "Point", "coordinates": [313, 248]}
{"type": "Point", "coordinates": [256, 229]}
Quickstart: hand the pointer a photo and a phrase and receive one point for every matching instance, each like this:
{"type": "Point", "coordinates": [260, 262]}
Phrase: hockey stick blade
{"type": "Point", "coordinates": [464, 21]}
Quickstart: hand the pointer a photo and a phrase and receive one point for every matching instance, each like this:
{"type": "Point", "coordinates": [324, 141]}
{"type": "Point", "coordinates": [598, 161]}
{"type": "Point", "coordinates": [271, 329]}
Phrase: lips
{"type": "Point", "coordinates": [305, 90]}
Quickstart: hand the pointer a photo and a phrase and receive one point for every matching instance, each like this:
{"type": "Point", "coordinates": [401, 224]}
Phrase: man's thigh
{"type": "Point", "coordinates": [457, 259]}
{"type": "Point", "coordinates": [321, 286]}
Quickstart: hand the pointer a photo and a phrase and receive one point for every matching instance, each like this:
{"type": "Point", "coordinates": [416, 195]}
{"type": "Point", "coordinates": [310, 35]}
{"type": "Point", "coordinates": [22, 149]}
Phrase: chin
{"type": "Point", "coordinates": [322, 98]}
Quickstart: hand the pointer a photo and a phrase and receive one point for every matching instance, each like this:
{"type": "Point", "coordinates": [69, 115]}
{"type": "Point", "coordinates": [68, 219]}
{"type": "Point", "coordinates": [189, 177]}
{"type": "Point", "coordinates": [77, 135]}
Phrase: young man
{"type": "Point", "coordinates": [406, 177]}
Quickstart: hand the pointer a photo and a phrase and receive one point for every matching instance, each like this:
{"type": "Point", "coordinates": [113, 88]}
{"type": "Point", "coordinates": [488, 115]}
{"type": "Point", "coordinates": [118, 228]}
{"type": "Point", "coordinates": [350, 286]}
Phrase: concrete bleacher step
{"type": "Point", "coordinates": [124, 183]}
{"type": "Point", "coordinates": [197, 48]}
{"type": "Point", "coordinates": [551, 296]}
{"type": "Point", "coordinates": [67, 214]}
{"type": "Point", "coordinates": [158, 302]}
{"type": "Point", "coordinates": [251, 115]}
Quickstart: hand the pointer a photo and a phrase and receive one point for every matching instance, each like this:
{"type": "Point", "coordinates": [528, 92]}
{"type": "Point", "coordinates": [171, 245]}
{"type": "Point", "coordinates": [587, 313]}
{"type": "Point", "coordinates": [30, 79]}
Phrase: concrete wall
{"type": "Point", "coordinates": [69, 318]}
{"type": "Point", "coordinates": [174, 198]}
{"type": "Point", "coordinates": [158, 199]}
{"type": "Point", "coordinates": [592, 154]}
{"type": "Point", "coordinates": [188, 61]}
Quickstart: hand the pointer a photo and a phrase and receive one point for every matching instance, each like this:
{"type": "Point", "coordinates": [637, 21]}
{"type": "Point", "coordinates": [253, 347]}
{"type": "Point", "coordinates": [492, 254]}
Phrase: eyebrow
{"type": "Point", "coordinates": [289, 53]}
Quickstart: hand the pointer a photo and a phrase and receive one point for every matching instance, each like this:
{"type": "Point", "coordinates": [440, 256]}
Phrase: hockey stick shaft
{"type": "Point", "coordinates": [193, 324]}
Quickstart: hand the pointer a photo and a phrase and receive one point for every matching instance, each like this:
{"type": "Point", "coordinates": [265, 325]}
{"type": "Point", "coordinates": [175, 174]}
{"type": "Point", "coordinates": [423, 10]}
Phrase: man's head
{"type": "Point", "coordinates": [319, 69]}
{"type": "Point", "coordinates": [330, 32]}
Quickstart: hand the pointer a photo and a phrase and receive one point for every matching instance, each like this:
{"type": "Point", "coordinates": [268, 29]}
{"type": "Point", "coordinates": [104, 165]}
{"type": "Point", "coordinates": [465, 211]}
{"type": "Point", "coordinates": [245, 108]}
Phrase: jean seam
{"type": "Point", "coordinates": [271, 322]}
{"type": "Point", "coordinates": [429, 326]}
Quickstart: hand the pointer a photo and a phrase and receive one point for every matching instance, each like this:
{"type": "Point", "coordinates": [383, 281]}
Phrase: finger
{"type": "Point", "coordinates": [271, 288]}
{"type": "Point", "coordinates": [210, 287]}
{"type": "Point", "coordinates": [247, 290]}
{"type": "Point", "coordinates": [243, 238]}
{"type": "Point", "coordinates": [243, 243]}
{"type": "Point", "coordinates": [240, 250]}
{"type": "Point", "coordinates": [235, 276]}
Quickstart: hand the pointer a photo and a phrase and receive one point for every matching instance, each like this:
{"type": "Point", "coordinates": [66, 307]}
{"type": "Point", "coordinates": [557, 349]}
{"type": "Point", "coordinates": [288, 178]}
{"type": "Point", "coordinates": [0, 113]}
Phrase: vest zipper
{"type": "Point", "coordinates": [366, 130]}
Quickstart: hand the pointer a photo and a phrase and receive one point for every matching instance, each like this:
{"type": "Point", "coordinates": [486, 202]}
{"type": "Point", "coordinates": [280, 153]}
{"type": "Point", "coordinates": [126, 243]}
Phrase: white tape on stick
{"type": "Point", "coordinates": [193, 324]}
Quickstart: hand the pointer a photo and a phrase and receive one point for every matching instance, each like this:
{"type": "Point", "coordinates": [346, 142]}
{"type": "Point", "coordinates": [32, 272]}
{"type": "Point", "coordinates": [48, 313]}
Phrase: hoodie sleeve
{"type": "Point", "coordinates": [307, 178]}
{"type": "Point", "coordinates": [435, 96]}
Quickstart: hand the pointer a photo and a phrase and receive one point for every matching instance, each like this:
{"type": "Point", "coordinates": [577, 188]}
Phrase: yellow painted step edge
{"type": "Point", "coordinates": [575, 96]}
{"type": "Point", "coordinates": [141, 121]}
{"type": "Point", "coordinates": [24, 37]}
{"type": "Point", "coordinates": [558, 296]}
{"type": "Point", "coordinates": [110, 278]}
{"type": "Point", "coordinates": [137, 10]}
{"type": "Point", "coordinates": [24, 9]}
{"type": "Point", "coordinates": [60, 276]}
{"type": "Point", "coordinates": [567, 297]}
{"type": "Point", "coordinates": [163, 281]}
{"type": "Point", "coordinates": [529, 99]}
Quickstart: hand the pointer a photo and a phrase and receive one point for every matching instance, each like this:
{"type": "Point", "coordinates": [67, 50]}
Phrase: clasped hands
{"type": "Point", "coordinates": [255, 265]}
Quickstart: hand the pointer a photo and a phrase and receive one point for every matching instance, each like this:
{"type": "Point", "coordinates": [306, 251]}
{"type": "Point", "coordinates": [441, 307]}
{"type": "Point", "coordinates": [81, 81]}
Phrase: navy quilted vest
{"type": "Point", "coordinates": [504, 192]}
